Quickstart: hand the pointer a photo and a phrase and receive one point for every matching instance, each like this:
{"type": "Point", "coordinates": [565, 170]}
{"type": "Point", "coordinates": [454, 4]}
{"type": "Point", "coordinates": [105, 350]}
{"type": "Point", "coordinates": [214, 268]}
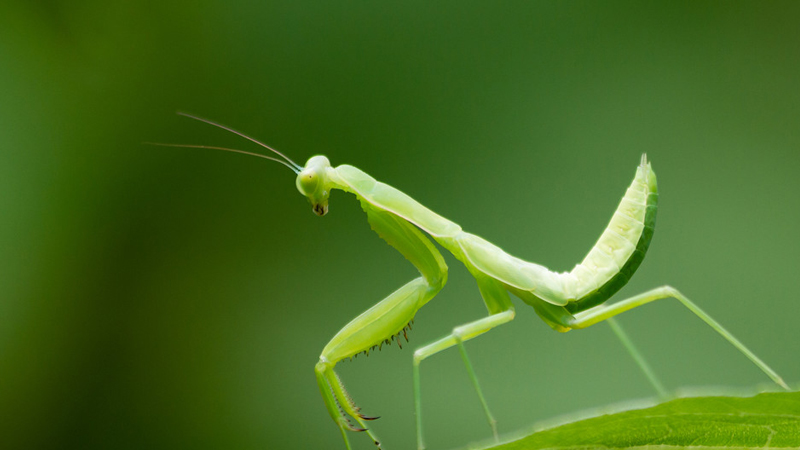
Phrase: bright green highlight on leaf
{"type": "Point", "coordinates": [768, 420]}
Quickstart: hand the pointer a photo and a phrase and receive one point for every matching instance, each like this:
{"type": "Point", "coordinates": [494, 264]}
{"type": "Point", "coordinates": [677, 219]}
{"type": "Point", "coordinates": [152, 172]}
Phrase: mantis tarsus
{"type": "Point", "coordinates": [564, 301]}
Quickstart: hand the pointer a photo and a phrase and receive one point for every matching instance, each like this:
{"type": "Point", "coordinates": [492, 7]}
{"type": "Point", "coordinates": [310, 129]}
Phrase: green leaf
{"type": "Point", "coordinates": [768, 420]}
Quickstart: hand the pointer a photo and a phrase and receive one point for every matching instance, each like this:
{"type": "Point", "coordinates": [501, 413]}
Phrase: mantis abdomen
{"type": "Point", "coordinates": [621, 248]}
{"type": "Point", "coordinates": [605, 269]}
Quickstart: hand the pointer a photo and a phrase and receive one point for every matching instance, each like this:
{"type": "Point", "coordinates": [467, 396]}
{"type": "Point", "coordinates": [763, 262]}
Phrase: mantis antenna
{"type": "Point", "coordinates": [226, 128]}
{"type": "Point", "coordinates": [296, 168]}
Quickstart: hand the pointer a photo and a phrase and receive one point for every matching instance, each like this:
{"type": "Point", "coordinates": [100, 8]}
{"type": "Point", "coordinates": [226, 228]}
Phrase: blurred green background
{"type": "Point", "coordinates": [170, 298]}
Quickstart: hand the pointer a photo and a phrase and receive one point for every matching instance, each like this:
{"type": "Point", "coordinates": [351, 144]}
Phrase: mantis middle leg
{"type": "Point", "coordinates": [384, 321]}
{"type": "Point", "coordinates": [501, 310]}
{"type": "Point", "coordinates": [600, 313]}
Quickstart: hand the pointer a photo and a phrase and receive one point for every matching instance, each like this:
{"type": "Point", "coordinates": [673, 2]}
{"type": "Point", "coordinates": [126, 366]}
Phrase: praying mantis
{"type": "Point", "coordinates": [564, 301]}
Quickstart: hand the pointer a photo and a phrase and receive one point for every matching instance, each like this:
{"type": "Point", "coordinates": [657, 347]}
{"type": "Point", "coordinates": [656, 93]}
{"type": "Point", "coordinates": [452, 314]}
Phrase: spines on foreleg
{"type": "Point", "coordinates": [340, 405]}
{"type": "Point", "coordinates": [388, 341]}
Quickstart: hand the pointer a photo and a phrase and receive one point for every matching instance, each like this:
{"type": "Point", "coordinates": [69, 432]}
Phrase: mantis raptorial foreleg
{"type": "Point", "coordinates": [604, 312]}
{"type": "Point", "coordinates": [385, 320]}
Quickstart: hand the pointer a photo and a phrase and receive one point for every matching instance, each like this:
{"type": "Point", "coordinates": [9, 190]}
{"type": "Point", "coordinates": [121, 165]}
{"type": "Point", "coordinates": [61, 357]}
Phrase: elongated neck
{"type": "Point", "coordinates": [375, 194]}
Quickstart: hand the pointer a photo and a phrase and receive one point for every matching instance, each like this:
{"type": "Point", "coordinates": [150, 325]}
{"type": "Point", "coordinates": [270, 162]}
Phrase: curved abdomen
{"type": "Point", "coordinates": [621, 248]}
{"type": "Point", "coordinates": [605, 269]}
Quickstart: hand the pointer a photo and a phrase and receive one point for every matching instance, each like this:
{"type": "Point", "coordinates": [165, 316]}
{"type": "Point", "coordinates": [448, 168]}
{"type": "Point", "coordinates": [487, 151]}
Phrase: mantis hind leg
{"type": "Point", "coordinates": [502, 311]}
{"type": "Point", "coordinates": [600, 313]}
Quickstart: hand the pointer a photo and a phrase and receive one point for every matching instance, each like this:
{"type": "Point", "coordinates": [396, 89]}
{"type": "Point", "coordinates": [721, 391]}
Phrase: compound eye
{"type": "Point", "coordinates": [309, 181]}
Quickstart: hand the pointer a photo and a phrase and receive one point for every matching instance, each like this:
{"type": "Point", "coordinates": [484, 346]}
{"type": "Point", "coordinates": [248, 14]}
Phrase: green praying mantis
{"type": "Point", "coordinates": [564, 301]}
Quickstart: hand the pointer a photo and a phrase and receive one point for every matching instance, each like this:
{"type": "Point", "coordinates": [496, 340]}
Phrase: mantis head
{"type": "Point", "coordinates": [313, 182]}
